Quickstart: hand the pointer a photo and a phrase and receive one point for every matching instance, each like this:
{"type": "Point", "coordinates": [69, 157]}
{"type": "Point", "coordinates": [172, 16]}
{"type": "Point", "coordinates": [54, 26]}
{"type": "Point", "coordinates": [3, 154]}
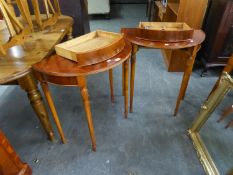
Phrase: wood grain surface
{"type": "Point", "coordinates": [161, 35]}
{"type": "Point", "coordinates": [198, 38]}
{"type": "Point", "coordinates": [10, 163]}
{"type": "Point", "coordinates": [37, 46]}
{"type": "Point", "coordinates": [61, 67]}
{"type": "Point", "coordinates": [92, 48]}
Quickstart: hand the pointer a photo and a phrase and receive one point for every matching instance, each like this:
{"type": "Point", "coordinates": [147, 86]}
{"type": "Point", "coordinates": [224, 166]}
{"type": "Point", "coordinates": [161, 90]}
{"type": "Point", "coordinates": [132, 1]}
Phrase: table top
{"type": "Point", "coordinates": [62, 67]}
{"type": "Point", "coordinates": [198, 38]}
{"type": "Point", "coordinates": [37, 46]}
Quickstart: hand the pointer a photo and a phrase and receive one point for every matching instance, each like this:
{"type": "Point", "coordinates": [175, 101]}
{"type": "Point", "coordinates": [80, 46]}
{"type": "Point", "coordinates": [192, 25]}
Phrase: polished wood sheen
{"type": "Point", "coordinates": [198, 38]}
{"type": "Point", "coordinates": [162, 32]}
{"type": "Point", "coordinates": [161, 36]}
{"type": "Point", "coordinates": [16, 64]}
{"type": "Point", "coordinates": [191, 46]}
{"type": "Point", "coordinates": [10, 163]}
{"type": "Point", "coordinates": [92, 48]}
{"type": "Point", "coordinates": [37, 46]}
{"type": "Point", "coordinates": [62, 71]}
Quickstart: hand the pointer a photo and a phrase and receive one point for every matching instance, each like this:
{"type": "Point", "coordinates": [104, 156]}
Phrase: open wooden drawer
{"type": "Point", "coordinates": [163, 31]}
{"type": "Point", "coordinates": [92, 48]}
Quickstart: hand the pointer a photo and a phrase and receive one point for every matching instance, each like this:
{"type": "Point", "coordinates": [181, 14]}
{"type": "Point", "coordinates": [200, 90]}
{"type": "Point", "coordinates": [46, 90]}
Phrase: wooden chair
{"type": "Point", "coordinates": [1, 17]}
{"type": "Point", "coordinates": [52, 12]}
{"type": "Point", "coordinates": [150, 10]}
{"type": "Point", "coordinates": [17, 29]}
{"type": "Point", "coordinates": [16, 63]}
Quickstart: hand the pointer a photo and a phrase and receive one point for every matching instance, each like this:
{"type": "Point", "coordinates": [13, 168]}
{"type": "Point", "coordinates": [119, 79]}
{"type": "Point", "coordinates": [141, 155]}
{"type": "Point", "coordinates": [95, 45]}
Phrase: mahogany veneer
{"type": "Point", "coordinates": [191, 46]}
{"type": "Point", "coordinates": [61, 71]}
{"type": "Point", "coordinates": [10, 163]}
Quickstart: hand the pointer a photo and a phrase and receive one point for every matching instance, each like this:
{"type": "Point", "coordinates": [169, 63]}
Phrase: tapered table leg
{"type": "Point", "coordinates": [49, 99]}
{"type": "Point", "coordinates": [123, 80]}
{"type": "Point", "coordinates": [84, 92]}
{"type": "Point", "coordinates": [126, 85]}
{"type": "Point", "coordinates": [28, 83]}
{"type": "Point", "coordinates": [111, 85]}
{"type": "Point", "coordinates": [132, 75]}
{"type": "Point", "coordinates": [186, 77]}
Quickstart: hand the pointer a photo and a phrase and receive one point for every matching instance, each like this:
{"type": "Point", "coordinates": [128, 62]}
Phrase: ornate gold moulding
{"type": "Point", "coordinates": [225, 85]}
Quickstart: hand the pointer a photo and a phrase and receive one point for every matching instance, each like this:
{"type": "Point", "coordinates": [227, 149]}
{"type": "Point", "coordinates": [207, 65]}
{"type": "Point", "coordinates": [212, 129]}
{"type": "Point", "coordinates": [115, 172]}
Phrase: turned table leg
{"type": "Point", "coordinates": [186, 77]}
{"type": "Point", "coordinates": [28, 83]}
{"type": "Point", "coordinates": [49, 99]}
{"type": "Point", "coordinates": [126, 85]}
{"type": "Point", "coordinates": [111, 85]}
{"type": "Point", "coordinates": [132, 75]}
{"type": "Point", "coordinates": [84, 92]}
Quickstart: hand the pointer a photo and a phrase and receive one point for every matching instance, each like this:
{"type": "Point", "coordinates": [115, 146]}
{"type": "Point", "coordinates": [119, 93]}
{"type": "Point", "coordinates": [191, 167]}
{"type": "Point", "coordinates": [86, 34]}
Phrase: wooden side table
{"type": "Point", "coordinates": [191, 46]}
{"type": "Point", "coordinates": [61, 71]}
{"type": "Point", "coordinates": [10, 162]}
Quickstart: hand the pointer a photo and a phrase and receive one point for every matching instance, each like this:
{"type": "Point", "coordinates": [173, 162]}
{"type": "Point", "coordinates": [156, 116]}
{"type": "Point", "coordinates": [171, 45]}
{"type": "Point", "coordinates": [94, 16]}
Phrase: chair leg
{"type": "Point", "coordinates": [70, 34]}
{"type": "Point", "coordinates": [49, 99]}
{"type": "Point", "coordinates": [84, 93]}
{"type": "Point", "coordinates": [126, 85]}
{"type": "Point", "coordinates": [132, 75]}
{"type": "Point", "coordinates": [111, 85]}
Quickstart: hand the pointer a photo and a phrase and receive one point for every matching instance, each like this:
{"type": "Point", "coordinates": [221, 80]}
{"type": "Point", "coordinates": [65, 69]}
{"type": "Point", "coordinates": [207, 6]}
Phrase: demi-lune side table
{"type": "Point", "coordinates": [194, 44]}
{"type": "Point", "coordinates": [61, 71]}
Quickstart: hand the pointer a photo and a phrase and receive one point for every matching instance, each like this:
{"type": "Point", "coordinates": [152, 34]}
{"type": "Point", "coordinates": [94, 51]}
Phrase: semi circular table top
{"type": "Point", "coordinates": [61, 67]}
{"type": "Point", "coordinates": [198, 38]}
{"type": "Point", "coordinates": [37, 46]}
